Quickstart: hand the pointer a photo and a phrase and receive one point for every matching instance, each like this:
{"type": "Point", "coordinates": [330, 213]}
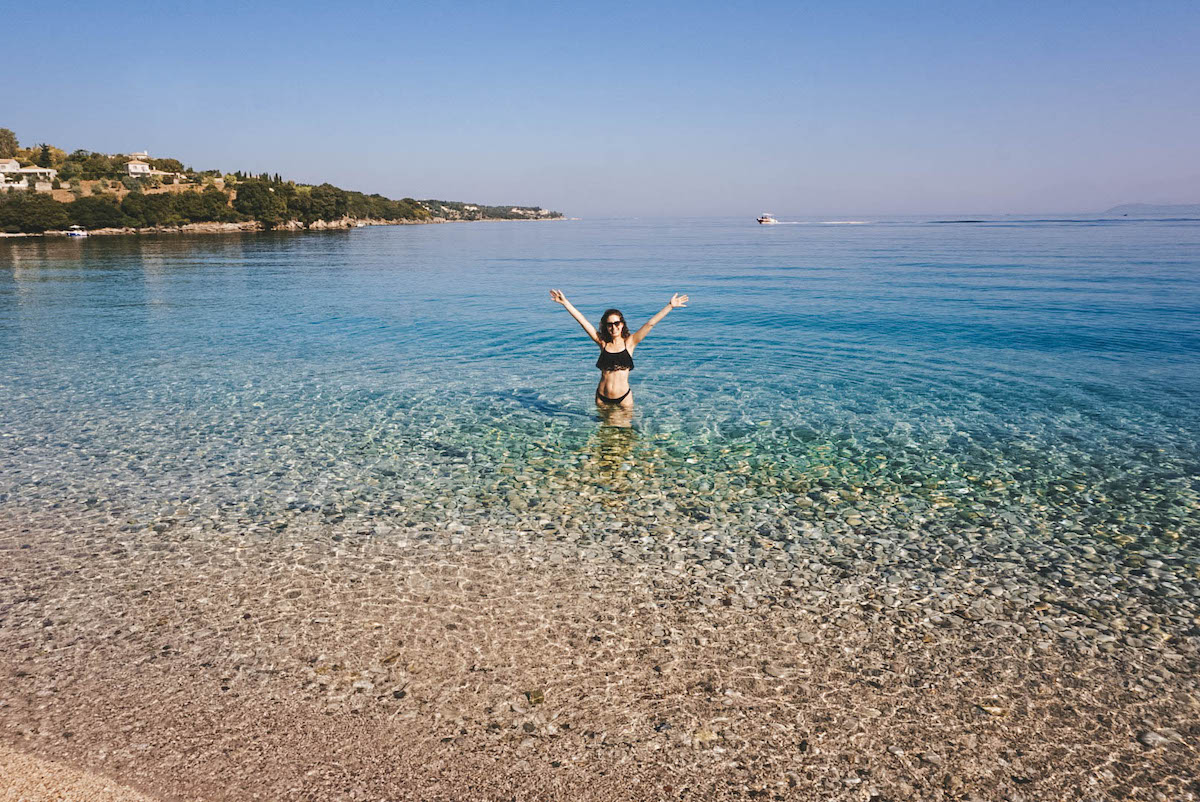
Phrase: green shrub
{"type": "Point", "coordinates": [29, 212]}
{"type": "Point", "coordinates": [97, 211]}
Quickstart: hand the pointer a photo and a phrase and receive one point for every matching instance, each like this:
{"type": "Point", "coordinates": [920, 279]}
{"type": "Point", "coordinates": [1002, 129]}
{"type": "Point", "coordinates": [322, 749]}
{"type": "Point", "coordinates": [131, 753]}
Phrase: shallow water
{"type": "Point", "coordinates": [1031, 378]}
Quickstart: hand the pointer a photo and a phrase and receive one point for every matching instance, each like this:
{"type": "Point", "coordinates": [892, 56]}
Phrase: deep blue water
{"type": "Point", "coordinates": [1039, 373]}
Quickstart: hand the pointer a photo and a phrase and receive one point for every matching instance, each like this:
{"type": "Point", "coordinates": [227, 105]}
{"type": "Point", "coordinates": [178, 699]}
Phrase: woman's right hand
{"type": "Point", "coordinates": [558, 297]}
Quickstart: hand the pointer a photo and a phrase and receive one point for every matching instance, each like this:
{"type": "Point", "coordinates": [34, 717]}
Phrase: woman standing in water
{"type": "Point", "coordinates": [616, 348]}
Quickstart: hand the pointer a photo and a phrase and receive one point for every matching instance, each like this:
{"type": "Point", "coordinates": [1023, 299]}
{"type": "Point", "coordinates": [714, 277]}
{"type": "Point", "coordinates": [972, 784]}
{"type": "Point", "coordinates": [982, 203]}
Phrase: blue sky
{"type": "Point", "coordinates": [639, 108]}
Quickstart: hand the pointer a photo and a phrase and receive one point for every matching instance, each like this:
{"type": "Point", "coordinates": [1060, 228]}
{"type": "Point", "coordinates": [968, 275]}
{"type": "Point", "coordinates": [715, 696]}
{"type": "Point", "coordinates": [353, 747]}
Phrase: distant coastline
{"type": "Point", "coordinates": [254, 226]}
{"type": "Point", "coordinates": [45, 190]}
{"type": "Point", "coordinates": [1144, 209]}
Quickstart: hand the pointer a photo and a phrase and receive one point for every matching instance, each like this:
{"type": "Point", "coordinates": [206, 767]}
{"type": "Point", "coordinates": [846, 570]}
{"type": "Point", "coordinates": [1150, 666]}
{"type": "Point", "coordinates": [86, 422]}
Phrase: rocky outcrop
{"type": "Point", "coordinates": [189, 228]}
{"type": "Point", "coordinates": [251, 225]}
{"type": "Point", "coordinates": [347, 222]}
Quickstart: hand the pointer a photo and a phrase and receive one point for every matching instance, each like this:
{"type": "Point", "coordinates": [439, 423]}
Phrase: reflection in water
{"type": "Point", "coordinates": [615, 416]}
{"type": "Point", "coordinates": [612, 449]}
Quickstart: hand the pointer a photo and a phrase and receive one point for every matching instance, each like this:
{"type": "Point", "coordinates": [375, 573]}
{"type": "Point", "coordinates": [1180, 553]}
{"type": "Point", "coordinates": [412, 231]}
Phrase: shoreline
{"type": "Point", "coordinates": [328, 660]}
{"type": "Point", "coordinates": [252, 226]}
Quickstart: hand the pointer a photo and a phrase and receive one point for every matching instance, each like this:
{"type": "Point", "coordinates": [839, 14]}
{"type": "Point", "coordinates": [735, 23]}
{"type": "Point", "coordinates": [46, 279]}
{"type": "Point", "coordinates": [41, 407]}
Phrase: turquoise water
{"type": "Point", "coordinates": [1036, 378]}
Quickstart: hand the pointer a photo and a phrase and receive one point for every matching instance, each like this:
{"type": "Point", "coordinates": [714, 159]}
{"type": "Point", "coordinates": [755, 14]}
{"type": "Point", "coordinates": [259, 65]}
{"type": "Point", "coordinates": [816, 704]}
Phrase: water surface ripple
{"type": "Point", "coordinates": [1005, 382]}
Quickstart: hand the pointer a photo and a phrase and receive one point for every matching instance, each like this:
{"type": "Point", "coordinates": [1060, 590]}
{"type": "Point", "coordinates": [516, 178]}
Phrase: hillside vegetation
{"type": "Point", "coordinates": [104, 195]}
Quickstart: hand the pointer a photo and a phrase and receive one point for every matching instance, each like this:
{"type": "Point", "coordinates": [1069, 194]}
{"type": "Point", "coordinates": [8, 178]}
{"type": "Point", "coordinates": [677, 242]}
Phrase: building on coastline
{"type": "Point", "coordinates": [14, 176]}
{"type": "Point", "coordinates": [138, 167]}
{"type": "Point", "coordinates": [39, 173]}
{"type": "Point", "coordinates": [10, 177]}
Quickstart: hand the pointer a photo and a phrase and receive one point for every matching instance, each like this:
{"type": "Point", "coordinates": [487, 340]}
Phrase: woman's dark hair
{"type": "Point", "coordinates": [603, 331]}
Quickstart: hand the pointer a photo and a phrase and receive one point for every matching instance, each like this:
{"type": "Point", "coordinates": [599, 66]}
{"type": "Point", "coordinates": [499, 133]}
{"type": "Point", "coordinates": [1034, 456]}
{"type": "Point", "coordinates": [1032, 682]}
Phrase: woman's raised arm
{"type": "Point", "coordinates": [677, 301]}
{"type": "Point", "coordinates": [559, 298]}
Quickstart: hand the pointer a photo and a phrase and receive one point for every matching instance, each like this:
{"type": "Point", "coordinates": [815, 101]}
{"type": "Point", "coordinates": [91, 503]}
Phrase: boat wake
{"type": "Point", "coordinates": [769, 219]}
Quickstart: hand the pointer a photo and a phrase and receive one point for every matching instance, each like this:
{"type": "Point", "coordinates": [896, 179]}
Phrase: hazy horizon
{"type": "Point", "coordinates": [642, 110]}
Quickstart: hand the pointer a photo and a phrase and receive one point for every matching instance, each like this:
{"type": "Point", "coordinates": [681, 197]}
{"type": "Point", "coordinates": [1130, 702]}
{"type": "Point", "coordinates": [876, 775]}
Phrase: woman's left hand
{"type": "Point", "coordinates": [678, 301]}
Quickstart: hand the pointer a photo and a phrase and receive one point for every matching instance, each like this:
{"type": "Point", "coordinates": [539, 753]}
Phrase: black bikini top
{"type": "Point", "coordinates": [622, 360]}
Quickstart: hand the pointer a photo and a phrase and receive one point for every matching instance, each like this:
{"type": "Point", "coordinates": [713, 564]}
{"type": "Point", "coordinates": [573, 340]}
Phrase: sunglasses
{"type": "Point", "coordinates": [613, 322]}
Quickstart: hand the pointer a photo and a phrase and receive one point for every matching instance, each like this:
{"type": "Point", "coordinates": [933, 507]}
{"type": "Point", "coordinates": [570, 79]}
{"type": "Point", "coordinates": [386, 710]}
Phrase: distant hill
{"type": "Point", "coordinates": [1157, 209]}
{"type": "Point", "coordinates": [134, 191]}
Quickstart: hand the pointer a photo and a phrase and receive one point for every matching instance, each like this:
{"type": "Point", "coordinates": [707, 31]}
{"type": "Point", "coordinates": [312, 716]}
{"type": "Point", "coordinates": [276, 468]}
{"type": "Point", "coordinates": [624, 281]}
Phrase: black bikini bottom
{"type": "Point", "coordinates": [612, 401]}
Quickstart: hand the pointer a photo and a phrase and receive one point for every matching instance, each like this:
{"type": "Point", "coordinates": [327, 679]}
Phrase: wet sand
{"type": "Point", "coordinates": [331, 663]}
{"type": "Point", "coordinates": [25, 778]}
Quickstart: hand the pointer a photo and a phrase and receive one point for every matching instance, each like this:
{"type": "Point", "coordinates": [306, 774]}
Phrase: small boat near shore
{"type": "Point", "coordinates": [77, 231]}
{"type": "Point", "coordinates": [767, 219]}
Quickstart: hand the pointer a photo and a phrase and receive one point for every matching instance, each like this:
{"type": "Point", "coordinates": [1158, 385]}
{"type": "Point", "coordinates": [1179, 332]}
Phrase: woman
{"type": "Point", "coordinates": [616, 348]}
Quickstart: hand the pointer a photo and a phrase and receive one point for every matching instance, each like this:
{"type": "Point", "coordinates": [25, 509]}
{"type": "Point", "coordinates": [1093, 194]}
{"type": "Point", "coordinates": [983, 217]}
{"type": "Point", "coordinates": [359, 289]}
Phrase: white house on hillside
{"type": "Point", "coordinates": [10, 166]}
{"type": "Point", "coordinates": [14, 176]}
{"type": "Point", "coordinates": [138, 167]}
{"type": "Point", "coordinates": [39, 173]}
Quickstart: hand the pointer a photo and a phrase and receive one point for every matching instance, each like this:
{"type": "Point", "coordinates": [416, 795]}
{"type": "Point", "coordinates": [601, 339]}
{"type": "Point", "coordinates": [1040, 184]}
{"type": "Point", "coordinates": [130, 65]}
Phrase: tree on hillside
{"type": "Point", "coordinates": [255, 199]}
{"type": "Point", "coordinates": [97, 211]}
{"type": "Point", "coordinates": [92, 166]}
{"type": "Point", "coordinates": [216, 205]}
{"type": "Point", "coordinates": [167, 165]}
{"type": "Point", "coordinates": [329, 202]}
{"type": "Point", "coordinates": [30, 212]}
{"type": "Point", "coordinates": [300, 206]}
{"type": "Point", "coordinates": [8, 144]}
{"type": "Point", "coordinates": [211, 205]}
{"type": "Point", "coordinates": [44, 157]}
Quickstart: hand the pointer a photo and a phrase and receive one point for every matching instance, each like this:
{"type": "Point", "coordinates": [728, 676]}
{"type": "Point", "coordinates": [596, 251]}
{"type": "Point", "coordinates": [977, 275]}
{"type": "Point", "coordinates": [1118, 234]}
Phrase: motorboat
{"type": "Point", "coordinates": [77, 231]}
{"type": "Point", "coordinates": [767, 219]}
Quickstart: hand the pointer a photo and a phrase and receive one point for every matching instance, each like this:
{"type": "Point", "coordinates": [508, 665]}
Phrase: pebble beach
{"type": "Point", "coordinates": [346, 665]}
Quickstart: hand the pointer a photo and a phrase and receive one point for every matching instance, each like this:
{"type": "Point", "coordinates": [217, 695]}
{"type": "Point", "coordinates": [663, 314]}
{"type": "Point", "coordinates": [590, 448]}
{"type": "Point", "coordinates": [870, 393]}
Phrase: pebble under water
{"type": "Point", "coordinates": [971, 416]}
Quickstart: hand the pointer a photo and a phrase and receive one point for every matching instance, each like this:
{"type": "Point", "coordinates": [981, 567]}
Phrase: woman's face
{"type": "Point", "coordinates": [614, 325]}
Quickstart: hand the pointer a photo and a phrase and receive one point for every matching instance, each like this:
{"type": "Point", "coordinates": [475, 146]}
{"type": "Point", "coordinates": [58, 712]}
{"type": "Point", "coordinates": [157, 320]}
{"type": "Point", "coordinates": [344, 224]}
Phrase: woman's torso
{"type": "Point", "coordinates": [614, 369]}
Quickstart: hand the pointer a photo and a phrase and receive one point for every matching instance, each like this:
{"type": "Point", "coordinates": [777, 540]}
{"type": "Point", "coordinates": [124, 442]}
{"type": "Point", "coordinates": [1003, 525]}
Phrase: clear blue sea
{"type": "Point", "coordinates": [1028, 376]}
